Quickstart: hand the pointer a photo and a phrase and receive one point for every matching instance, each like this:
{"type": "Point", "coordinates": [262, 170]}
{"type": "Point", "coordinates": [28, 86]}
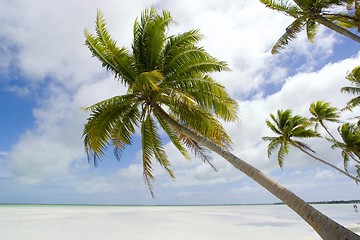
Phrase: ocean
{"type": "Point", "coordinates": [77, 222]}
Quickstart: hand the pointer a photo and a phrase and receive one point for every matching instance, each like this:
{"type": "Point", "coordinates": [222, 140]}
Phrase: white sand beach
{"type": "Point", "coordinates": [255, 222]}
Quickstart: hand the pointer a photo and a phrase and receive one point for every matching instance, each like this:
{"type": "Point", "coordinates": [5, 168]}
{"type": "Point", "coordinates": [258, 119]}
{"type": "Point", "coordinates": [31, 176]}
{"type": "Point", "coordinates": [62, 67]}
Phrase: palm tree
{"type": "Point", "coordinates": [307, 14]}
{"type": "Point", "coordinates": [354, 78]}
{"type": "Point", "coordinates": [169, 86]}
{"type": "Point", "coordinates": [350, 134]}
{"type": "Point", "coordinates": [323, 112]}
{"type": "Point", "coordinates": [351, 21]}
{"type": "Point", "coordinates": [171, 72]}
{"type": "Point", "coordinates": [288, 127]}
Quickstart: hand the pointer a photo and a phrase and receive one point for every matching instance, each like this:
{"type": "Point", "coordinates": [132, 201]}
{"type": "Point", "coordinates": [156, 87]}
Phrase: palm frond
{"type": "Point", "coordinates": [201, 121]}
{"type": "Point", "coordinates": [198, 150]}
{"type": "Point", "coordinates": [124, 100]}
{"type": "Point", "coordinates": [272, 126]}
{"type": "Point", "coordinates": [180, 41]}
{"type": "Point", "coordinates": [150, 37]}
{"type": "Point", "coordinates": [286, 7]}
{"type": "Point", "coordinates": [322, 111]}
{"type": "Point", "coordinates": [174, 137]}
{"type": "Point", "coordinates": [353, 103]}
{"type": "Point", "coordinates": [147, 154]}
{"type": "Point", "coordinates": [103, 47]}
{"type": "Point", "coordinates": [206, 92]}
{"type": "Point", "coordinates": [311, 28]}
{"type": "Point", "coordinates": [352, 90]}
{"type": "Point", "coordinates": [146, 82]}
{"type": "Point", "coordinates": [305, 5]}
{"type": "Point", "coordinates": [291, 33]}
{"type": "Point", "coordinates": [303, 146]}
{"type": "Point", "coordinates": [189, 60]}
{"type": "Point", "coordinates": [99, 129]}
{"type": "Point", "coordinates": [283, 151]}
{"type": "Point", "coordinates": [157, 146]}
{"type": "Point", "coordinates": [345, 156]}
{"type": "Point", "coordinates": [274, 143]}
{"type": "Point", "coordinates": [301, 128]}
{"type": "Point", "coordinates": [123, 131]}
{"type": "Point", "coordinates": [354, 78]}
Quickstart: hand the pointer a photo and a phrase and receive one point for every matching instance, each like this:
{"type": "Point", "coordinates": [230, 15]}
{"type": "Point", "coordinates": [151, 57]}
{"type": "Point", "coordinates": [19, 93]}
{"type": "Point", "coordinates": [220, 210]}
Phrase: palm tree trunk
{"type": "Point", "coordinates": [325, 162]}
{"type": "Point", "coordinates": [357, 12]}
{"type": "Point", "coordinates": [326, 227]}
{"type": "Point", "coordinates": [327, 23]}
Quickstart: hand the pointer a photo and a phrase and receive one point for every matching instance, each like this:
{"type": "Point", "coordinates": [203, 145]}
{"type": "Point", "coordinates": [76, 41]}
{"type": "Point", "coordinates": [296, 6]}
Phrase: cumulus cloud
{"type": "Point", "coordinates": [45, 44]}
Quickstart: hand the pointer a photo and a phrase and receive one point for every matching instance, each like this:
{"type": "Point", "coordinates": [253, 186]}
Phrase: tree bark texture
{"type": "Point", "coordinates": [337, 28]}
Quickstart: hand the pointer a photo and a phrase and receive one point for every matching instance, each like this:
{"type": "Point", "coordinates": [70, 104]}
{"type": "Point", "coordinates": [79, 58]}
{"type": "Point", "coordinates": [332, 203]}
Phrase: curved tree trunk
{"type": "Point", "coordinates": [323, 225]}
{"type": "Point", "coordinates": [327, 23]}
{"type": "Point", "coordinates": [325, 162]}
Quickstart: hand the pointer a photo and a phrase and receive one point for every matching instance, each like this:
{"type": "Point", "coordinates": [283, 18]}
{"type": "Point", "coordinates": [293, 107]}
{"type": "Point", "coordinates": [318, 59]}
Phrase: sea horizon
{"type": "Point", "coordinates": [354, 201]}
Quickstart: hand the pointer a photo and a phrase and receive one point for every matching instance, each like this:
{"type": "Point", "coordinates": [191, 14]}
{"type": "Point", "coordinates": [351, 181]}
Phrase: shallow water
{"type": "Point", "coordinates": [256, 222]}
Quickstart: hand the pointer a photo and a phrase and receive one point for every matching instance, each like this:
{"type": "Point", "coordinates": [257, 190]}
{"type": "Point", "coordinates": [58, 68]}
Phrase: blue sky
{"type": "Point", "coordinates": [47, 75]}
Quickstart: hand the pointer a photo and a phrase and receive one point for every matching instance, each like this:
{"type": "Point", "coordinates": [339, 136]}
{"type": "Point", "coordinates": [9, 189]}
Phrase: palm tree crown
{"type": "Point", "coordinates": [322, 111]}
{"type": "Point", "coordinates": [163, 74]}
{"type": "Point", "coordinates": [287, 127]}
{"type": "Point", "coordinates": [350, 134]}
{"type": "Point", "coordinates": [354, 78]}
{"type": "Point", "coordinates": [307, 14]}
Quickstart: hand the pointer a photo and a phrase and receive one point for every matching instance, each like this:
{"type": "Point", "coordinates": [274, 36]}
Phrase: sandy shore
{"type": "Point", "coordinates": [163, 223]}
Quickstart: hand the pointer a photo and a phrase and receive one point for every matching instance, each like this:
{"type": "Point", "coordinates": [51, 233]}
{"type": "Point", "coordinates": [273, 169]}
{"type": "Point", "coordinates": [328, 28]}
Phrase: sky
{"type": "Point", "coordinates": [47, 75]}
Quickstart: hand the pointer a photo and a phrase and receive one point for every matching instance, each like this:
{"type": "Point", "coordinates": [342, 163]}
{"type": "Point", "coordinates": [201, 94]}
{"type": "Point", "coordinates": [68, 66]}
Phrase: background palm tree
{"type": "Point", "coordinates": [350, 134]}
{"type": "Point", "coordinates": [354, 78]}
{"type": "Point", "coordinates": [307, 14]}
{"type": "Point", "coordinates": [322, 111]}
{"type": "Point", "coordinates": [288, 127]}
{"type": "Point", "coordinates": [169, 86]}
{"type": "Point", "coordinates": [351, 21]}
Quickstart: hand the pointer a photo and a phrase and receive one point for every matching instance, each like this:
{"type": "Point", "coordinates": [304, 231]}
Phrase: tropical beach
{"type": "Point", "coordinates": [201, 106]}
{"type": "Point", "coordinates": [255, 222]}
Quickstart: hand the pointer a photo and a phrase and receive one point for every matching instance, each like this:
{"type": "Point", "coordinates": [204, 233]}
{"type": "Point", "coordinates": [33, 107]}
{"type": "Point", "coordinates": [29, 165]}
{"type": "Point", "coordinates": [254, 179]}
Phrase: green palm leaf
{"type": "Point", "coordinates": [168, 79]}
{"type": "Point", "coordinates": [173, 136]}
{"type": "Point", "coordinates": [206, 92]}
{"type": "Point", "coordinates": [311, 28]}
{"type": "Point", "coordinates": [354, 78]}
{"type": "Point", "coordinates": [288, 127]}
{"type": "Point", "coordinates": [107, 117]}
{"type": "Point", "coordinates": [287, 7]}
{"type": "Point", "coordinates": [176, 43]}
{"type": "Point", "coordinates": [322, 111]}
{"type": "Point", "coordinates": [116, 60]}
{"type": "Point", "coordinates": [291, 33]}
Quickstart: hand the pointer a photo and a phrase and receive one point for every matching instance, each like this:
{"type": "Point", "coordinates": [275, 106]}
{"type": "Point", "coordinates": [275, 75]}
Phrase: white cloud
{"type": "Point", "coordinates": [46, 44]}
{"type": "Point", "coordinates": [324, 174]}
